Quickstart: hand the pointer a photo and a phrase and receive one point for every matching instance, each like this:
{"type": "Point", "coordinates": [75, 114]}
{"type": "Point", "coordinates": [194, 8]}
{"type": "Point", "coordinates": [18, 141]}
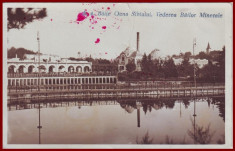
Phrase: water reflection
{"type": "Point", "coordinates": [145, 140]}
{"type": "Point", "coordinates": [39, 123]}
{"type": "Point", "coordinates": [201, 134]}
{"type": "Point", "coordinates": [155, 112]}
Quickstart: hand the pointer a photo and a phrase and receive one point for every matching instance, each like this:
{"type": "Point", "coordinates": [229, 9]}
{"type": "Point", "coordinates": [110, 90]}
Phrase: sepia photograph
{"type": "Point", "coordinates": [117, 75]}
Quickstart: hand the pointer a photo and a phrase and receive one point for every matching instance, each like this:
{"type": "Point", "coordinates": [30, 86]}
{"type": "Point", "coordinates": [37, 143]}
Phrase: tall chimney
{"type": "Point", "coordinates": [138, 38]}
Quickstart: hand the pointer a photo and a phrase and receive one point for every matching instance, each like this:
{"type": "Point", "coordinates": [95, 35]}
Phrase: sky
{"type": "Point", "coordinates": [65, 34]}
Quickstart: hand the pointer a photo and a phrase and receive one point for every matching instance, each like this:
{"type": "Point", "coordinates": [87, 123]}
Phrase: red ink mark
{"type": "Point", "coordinates": [51, 19]}
{"type": "Point", "coordinates": [108, 8]}
{"type": "Point", "coordinates": [97, 40]}
{"type": "Point", "coordinates": [92, 16]}
{"type": "Point", "coordinates": [106, 53]}
{"type": "Point", "coordinates": [103, 27]}
{"type": "Point", "coordinates": [81, 16]}
{"type": "Point", "coordinates": [92, 27]}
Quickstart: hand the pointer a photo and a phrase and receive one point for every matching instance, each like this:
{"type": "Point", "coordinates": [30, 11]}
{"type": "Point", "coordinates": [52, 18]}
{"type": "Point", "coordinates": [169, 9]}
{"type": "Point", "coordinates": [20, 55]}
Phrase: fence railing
{"type": "Point", "coordinates": [141, 86]}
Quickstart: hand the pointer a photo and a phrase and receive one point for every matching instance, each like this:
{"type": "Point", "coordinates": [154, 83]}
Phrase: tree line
{"type": "Point", "coordinates": [156, 69]}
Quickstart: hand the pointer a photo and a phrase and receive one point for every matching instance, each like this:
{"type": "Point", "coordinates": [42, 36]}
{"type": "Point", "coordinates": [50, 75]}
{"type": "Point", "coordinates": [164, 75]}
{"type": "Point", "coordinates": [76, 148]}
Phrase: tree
{"type": "Point", "coordinates": [158, 68]}
{"type": "Point", "coordinates": [214, 71]}
{"type": "Point", "coordinates": [20, 52]}
{"type": "Point", "coordinates": [185, 68]}
{"type": "Point", "coordinates": [187, 54]}
{"type": "Point", "coordinates": [19, 17]}
{"type": "Point", "coordinates": [170, 68]}
{"type": "Point", "coordinates": [144, 63]}
{"type": "Point", "coordinates": [150, 66]}
{"type": "Point", "coordinates": [130, 67]}
{"type": "Point", "coordinates": [202, 55]}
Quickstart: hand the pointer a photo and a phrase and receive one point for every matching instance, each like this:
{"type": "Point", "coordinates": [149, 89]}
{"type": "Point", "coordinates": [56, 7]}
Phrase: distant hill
{"type": "Point", "coordinates": [11, 53]}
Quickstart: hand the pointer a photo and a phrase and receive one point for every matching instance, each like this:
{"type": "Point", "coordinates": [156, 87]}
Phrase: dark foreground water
{"type": "Point", "coordinates": [154, 121]}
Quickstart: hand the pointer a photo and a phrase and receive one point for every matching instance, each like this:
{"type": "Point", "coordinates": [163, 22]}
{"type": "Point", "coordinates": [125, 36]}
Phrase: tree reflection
{"type": "Point", "coordinates": [186, 103]}
{"type": "Point", "coordinates": [169, 140]}
{"type": "Point", "coordinates": [221, 140]}
{"type": "Point", "coordinates": [145, 140]}
{"type": "Point", "coordinates": [220, 104]}
{"type": "Point", "coordinates": [169, 103]}
{"type": "Point", "coordinates": [200, 134]}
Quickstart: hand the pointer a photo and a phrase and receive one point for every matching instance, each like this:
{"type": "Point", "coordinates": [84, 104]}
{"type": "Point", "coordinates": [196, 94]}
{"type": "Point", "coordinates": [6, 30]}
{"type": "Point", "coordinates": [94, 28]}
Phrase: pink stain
{"type": "Point", "coordinates": [51, 19]}
{"type": "Point", "coordinates": [92, 16]}
{"type": "Point", "coordinates": [81, 16]}
{"type": "Point", "coordinates": [106, 53]}
{"type": "Point", "coordinates": [108, 8]}
{"type": "Point", "coordinates": [113, 5]}
{"type": "Point", "coordinates": [92, 27]}
{"type": "Point", "coordinates": [103, 27]}
{"type": "Point", "coordinates": [97, 40]}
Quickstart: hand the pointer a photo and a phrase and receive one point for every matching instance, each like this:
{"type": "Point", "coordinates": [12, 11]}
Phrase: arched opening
{"type": "Point", "coordinates": [30, 69]}
{"type": "Point", "coordinates": [86, 69]}
{"type": "Point", "coordinates": [78, 69]}
{"type": "Point", "coordinates": [51, 69]}
{"type": "Point", "coordinates": [21, 69]}
{"type": "Point", "coordinates": [11, 69]}
{"type": "Point", "coordinates": [70, 69]}
{"type": "Point", "coordinates": [42, 68]}
{"type": "Point", "coordinates": [61, 68]}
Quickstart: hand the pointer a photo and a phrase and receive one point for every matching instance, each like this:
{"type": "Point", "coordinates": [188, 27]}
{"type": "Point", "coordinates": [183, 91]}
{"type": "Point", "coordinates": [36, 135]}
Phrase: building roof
{"type": "Point", "coordinates": [131, 53]}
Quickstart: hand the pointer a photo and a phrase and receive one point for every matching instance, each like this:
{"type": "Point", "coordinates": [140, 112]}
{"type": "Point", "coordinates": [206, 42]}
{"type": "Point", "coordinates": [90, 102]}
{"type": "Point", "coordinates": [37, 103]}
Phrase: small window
{"type": "Point", "coordinates": [123, 58]}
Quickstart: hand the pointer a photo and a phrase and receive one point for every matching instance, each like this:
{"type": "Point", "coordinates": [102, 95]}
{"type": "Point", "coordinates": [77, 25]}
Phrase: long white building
{"type": "Point", "coordinates": [31, 65]}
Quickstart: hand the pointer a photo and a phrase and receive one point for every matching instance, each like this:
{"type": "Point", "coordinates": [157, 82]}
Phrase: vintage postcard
{"type": "Point", "coordinates": [117, 75]}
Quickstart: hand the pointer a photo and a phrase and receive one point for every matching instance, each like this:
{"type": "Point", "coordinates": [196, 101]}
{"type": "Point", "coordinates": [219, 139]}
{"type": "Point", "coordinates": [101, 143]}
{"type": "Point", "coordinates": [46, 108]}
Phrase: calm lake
{"type": "Point", "coordinates": [154, 121]}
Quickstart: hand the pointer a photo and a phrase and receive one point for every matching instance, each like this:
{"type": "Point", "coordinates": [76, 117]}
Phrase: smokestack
{"type": "Point", "coordinates": [138, 38]}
